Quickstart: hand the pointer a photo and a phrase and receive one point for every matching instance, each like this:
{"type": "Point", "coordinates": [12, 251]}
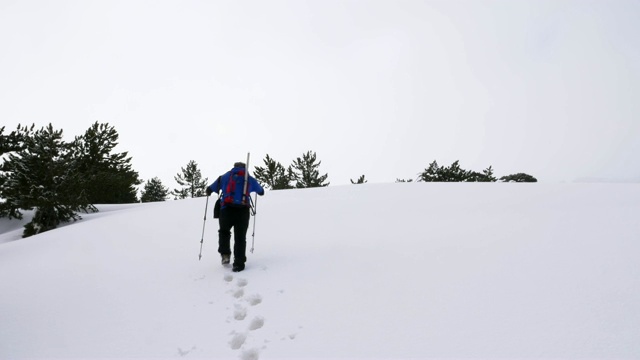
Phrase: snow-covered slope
{"type": "Point", "coordinates": [412, 270]}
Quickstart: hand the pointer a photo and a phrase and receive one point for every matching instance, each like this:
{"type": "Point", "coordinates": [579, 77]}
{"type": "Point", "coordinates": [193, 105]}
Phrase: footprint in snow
{"type": "Point", "coordinates": [185, 352]}
{"type": "Point", "coordinates": [238, 293]}
{"type": "Point", "coordinates": [228, 277]}
{"type": "Point", "coordinates": [237, 340]}
{"type": "Point", "coordinates": [240, 312]}
{"type": "Point", "coordinates": [242, 282]}
{"type": "Point", "coordinates": [254, 299]}
{"type": "Point", "coordinates": [251, 354]}
{"type": "Point", "coordinates": [256, 323]}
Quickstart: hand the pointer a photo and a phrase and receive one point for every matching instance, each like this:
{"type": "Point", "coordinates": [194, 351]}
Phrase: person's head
{"type": "Point", "coordinates": [239, 165]}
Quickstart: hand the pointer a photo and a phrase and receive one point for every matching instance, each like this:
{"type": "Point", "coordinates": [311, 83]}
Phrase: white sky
{"type": "Point", "coordinates": [380, 88]}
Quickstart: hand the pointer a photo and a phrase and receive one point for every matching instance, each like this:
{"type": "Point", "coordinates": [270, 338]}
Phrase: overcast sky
{"type": "Point", "coordinates": [380, 88]}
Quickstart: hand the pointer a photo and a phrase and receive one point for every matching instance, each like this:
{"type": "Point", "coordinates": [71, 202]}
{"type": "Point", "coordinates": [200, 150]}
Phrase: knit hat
{"type": "Point", "coordinates": [239, 165]}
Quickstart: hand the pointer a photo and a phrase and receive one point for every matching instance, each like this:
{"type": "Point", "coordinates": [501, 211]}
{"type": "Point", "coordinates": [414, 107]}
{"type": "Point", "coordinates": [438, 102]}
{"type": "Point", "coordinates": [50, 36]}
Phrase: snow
{"type": "Point", "coordinates": [407, 270]}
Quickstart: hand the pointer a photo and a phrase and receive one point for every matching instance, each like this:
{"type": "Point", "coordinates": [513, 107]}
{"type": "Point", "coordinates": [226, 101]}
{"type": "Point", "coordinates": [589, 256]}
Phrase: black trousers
{"type": "Point", "coordinates": [238, 219]}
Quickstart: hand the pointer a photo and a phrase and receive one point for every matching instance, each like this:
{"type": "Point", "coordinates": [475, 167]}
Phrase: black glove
{"type": "Point", "coordinates": [208, 191]}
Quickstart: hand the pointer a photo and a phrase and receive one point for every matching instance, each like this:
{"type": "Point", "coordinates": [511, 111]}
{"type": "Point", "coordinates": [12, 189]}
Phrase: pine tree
{"type": "Point", "coordinates": [360, 180]}
{"type": "Point", "coordinates": [191, 181]}
{"type": "Point", "coordinates": [154, 191]}
{"type": "Point", "coordinates": [13, 141]}
{"type": "Point", "coordinates": [306, 172]}
{"type": "Point", "coordinates": [108, 178]}
{"type": "Point", "coordinates": [485, 176]}
{"type": "Point", "coordinates": [454, 173]}
{"type": "Point", "coordinates": [273, 175]}
{"type": "Point", "coordinates": [43, 175]}
{"type": "Point", "coordinates": [432, 173]}
{"type": "Point", "coordinates": [488, 175]}
{"type": "Point", "coordinates": [10, 143]}
{"type": "Point", "coordinates": [519, 177]}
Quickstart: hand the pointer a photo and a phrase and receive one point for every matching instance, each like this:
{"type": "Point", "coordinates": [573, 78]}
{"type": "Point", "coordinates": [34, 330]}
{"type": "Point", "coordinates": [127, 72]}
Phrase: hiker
{"type": "Point", "coordinates": [234, 212]}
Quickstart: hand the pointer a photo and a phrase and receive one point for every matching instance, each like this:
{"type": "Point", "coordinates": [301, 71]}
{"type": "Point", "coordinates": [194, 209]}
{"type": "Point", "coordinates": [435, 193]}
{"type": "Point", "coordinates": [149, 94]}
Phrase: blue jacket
{"type": "Point", "coordinates": [231, 184]}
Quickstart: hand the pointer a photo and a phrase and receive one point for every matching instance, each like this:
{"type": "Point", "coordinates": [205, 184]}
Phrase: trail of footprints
{"type": "Point", "coordinates": [241, 305]}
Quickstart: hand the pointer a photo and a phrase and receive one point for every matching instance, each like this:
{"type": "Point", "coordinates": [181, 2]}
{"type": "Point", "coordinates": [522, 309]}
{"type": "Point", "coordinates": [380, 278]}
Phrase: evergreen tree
{"type": "Point", "coordinates": [273, 175]}
{"type": "Point", "coordinates": [13, 141]}
{"type": "Point", "coordinates": [306, 172]}
{"type": "Point", "coordinates": [191, 181]}
{"type": "Point", "coordinates": [454, 173]}
{"type": "Point", "coordinates": [43, 175]}
{"type": "Point", "coordinates": [9, 143]}
{"type": "Point", "coordinates": [154, 191]}
{"type": "Point", "coordinates": [519, 177]}
{"type": "Point", "coordinates": [431, 174]}
{"type": "Point", "coordinates": [485, 176]}
{"type": "Point", "coordinates": [488, 175]}
{"type": "Point", "coordinates": [360, 180]}
{"type": "Point", "coordinates": [108, 178]}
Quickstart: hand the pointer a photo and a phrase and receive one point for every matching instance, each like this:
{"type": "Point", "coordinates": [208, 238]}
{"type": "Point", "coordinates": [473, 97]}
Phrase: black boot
{"type": "Point", "coordinates": [237, 267]}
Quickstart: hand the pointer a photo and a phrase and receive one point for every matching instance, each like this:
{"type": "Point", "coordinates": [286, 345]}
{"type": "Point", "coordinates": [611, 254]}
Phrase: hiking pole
{"type": "Point", "coordinates": [246, 182]}
{"type": "Point", "coordinates": [203, 224]}
{"type": "Point", "coordinates": [253, 235]}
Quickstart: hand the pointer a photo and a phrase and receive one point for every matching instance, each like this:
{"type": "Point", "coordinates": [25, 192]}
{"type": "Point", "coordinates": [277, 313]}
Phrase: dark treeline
{"type": "Point", "coordinates": [454, 173]}
{"type": "Point", "coordinates": [302, 173]}
{"type": "Point", "coordinates": [58, 180]}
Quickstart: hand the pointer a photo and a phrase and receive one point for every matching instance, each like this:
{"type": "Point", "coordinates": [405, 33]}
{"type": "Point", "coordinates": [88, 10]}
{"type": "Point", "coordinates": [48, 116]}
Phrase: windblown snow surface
{"type": "Point", "coordinates": [385, 271]}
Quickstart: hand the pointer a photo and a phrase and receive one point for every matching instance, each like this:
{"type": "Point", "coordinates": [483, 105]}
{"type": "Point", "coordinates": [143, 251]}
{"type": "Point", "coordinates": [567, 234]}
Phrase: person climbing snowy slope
{"type": "Point", "coordinates": [235, 203]}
